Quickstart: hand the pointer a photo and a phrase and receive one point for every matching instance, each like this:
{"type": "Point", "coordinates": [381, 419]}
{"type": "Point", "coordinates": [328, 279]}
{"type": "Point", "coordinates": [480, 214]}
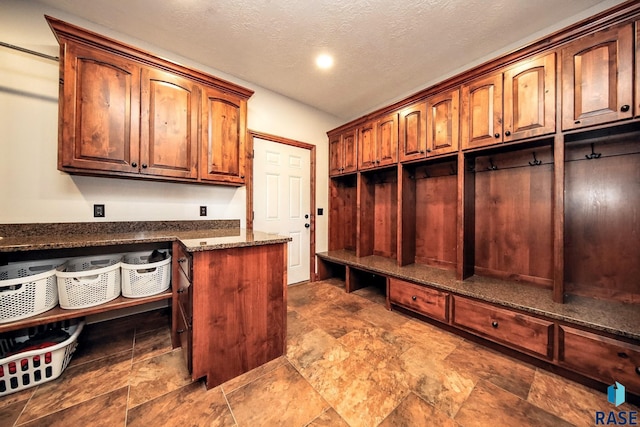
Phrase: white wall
{"type": "Point", "coordinates": [33, 190]}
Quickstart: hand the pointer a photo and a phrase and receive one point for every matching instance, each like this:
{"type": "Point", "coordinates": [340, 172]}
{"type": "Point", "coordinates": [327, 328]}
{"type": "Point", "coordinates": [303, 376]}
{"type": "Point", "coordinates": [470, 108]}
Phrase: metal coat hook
{"type": "Point", "coordinates": [535, 162]}
{"type": "Point", "coordinates": [593, 154]}
{"type": "Point", "coordinates": [492, 167]}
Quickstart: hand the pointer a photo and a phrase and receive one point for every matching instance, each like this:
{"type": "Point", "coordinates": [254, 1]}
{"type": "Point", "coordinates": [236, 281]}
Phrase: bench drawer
{"type": "Point", "coordinates": [602, 358]}
{"type": "Point", "coordinates": [430, 302]}
{"type": "Point", "coordinates": [507, 327]}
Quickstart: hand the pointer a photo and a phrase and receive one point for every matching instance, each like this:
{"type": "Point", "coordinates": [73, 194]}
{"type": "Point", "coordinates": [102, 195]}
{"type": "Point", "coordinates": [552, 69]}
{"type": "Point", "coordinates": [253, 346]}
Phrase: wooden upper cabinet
{"type": "Point", "coordinates": [342, 153]}
{"type": "Point", "coordinates": [412, 138]}
{"type": "Point", "coordinates": [386, 135]}
{"type": "Point", "coordinates": [597, 78]}
{"type": "Point", "coordinates": [223, 137]}
{"type": "Point", "coordinates": [378, 142]}
{"type": "Point", "coordinates": [482, 112]}
{"type": "Point", "coordinates": [99, 111]}
{"type": "Point", "coordinates": [169, 125]}
{"type": "Point", "coordinates": [530, 98]}
{"type": "Point", "coordinates": [367, 146]}
{"type": "Point", "coordinates": [125, 112]}
{"type": "Point", "coordinates": [443, 123]}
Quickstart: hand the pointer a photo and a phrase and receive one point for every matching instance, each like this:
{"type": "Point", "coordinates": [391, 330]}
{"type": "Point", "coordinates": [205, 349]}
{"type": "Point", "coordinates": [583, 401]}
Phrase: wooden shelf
{"type": "Point", "coordinates": [57, 314]}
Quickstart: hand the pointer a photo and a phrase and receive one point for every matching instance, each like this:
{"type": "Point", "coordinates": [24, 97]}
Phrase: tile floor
{"type": "Point", "coordinates": [349, 362]}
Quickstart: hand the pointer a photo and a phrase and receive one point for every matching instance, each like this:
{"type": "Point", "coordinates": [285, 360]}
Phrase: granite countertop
{"type": "Point", "coordinates": [608, 316]}
{"type": "Point", "coordinates": [195, 235]}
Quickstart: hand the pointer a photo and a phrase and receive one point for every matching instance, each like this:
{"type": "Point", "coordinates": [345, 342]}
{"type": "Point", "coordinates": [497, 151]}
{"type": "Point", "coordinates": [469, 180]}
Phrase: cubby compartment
{"type": "Point", "coordinates": [378, 200]}
{"type": "Point", "coordinates": [343, 215]}
{"type": "Point", "coordinates": [509, 204]}
{"type": "Point", "coordinates": [429, 214]}
{"type": "Point", "coordinates": [602, 215]}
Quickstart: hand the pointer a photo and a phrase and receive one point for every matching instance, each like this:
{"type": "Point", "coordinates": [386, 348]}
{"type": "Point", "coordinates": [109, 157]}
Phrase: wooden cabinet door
{"type": "Point", "coordinates": [168, 125]}
{"type": "Point", "coordinates": [443, 123]}
{"type": "Point", "coordinates": [223, 125]}
{"type": "Point", "coordinates": [412, 139]}
{"type": "Point", "coordinates": [367, 146]}
{"type": "Point", "coordinates": [99, 111]}
{"type": "Point", "coordinates": [350, 147]}
{"type": "Point", "coordinates": [530, 98]}
{"type": "Point", "coordinates": [336, 155]}
{"type": "Point", "coordinates": [482, 112]}
{"type": "Point", "coordinates": [597, 78]}
{"type": "Point", "coordinates": [386, 134]}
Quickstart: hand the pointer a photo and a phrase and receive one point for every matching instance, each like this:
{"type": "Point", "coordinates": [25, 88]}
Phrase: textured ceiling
{"type": "Point", "coordinates": [383, 49]}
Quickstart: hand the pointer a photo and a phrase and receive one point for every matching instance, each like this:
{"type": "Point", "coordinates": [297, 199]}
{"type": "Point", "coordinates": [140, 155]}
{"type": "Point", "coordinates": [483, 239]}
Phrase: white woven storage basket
{"type": "Point", "coordinates": [89, 281]}
{"type": "Point", "coordinates": [28, 288]}
{"type": "Point", "coordinates": [141, 278]}
{"type": "Point", "coordinates": [33, 367]}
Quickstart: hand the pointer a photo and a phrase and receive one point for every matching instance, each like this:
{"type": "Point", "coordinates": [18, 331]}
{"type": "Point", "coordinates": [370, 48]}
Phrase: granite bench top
{"type": "Point", "coordinates": [194, 235]}
{"type": "Point", "coordinates": [608, 316]}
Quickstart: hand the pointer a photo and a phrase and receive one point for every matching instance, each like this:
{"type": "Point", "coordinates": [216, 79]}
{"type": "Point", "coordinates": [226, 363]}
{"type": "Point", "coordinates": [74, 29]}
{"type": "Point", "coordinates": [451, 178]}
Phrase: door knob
{"type": "Point", "coordinates": [307, 225]}
{"type": "Point", "coordinates": [306, 216]}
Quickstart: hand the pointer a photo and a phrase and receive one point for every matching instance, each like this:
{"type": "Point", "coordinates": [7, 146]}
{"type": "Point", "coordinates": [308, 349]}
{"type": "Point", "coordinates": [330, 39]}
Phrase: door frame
{"type": "Point", "coordinates": [312, 187]}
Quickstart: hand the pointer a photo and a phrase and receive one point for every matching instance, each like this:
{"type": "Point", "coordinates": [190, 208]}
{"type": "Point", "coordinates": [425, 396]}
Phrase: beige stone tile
{"type": "Point", "coordinates": [329, 418]}
{"type": "Point", "coordinates": [297, 325]}
{"type": "Point", "coordinates": [191, 405]}
{"type": "Point", "coordinates": [315, 350]}
{"type": "Point", "coordinates": [280, 397]}
{"type": "Point", "coordinates": [78, 384]}
{"type": "Point", "coordinates": [361, 393]}
{"type": "Point", "coordinates": [413, 411]}
{"type": "Point", "coordinates": [379, 316]}
{"type": "Point", "coordinates": [151, 344]}
{"type": "Point", "coordinates": [418, 333]}
{"type": "Point", "coordinates": [338, 321]}
{"type": "Point", "coordinates": [569, 400]}
{"type": "Point", "coordinates": [488, 404]}
{"type": "Point", "coordinates": [433, 379]}
{"type": "Point", "coordinates": [252, 375]}
{"type": "Point", "coordinates": [107, 410]}
{"type": "Point", "coordinates": [373, 345]}
{"type": "Point", "coordinates": [157, 376]}
{"type": "Point", "coordinates": [478, 362]}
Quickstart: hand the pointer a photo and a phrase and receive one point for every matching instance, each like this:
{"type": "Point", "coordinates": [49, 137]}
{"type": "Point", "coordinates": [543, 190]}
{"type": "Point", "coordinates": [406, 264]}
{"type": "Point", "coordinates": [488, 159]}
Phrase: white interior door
{"type": "Point", "coordinates": [281, 200]}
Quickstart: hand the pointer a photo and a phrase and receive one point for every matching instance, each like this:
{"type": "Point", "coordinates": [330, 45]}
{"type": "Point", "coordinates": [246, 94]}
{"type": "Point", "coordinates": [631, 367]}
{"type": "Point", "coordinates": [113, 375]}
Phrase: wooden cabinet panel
{"type": "Point", "coordinates": [430, 302]}
{"type": "Point", "coordinates": [386, 135]}
{"type": "Point", "coordinates": [367, 146]}
{"type": "Point", "coordinates": [168, 125]}
{"type": "Point", "coordinates": [597, 78]}
{"type": "Point", "coordinates": [443, 123]}
{"type": "Point", "coordinates": [601, 358]}
{"type": "Point", "coordinates": [412, 138]}
{"type": "Point", "coordinates": [99, 114]}
{"type": "Point", "coordinates": [482, 112]}
{"type": "Point", "coordinates": [223, 137]}
{"type": "Point", "coordinates": [185, 336]}
{"type": "Point", "coordinates": [513, 329]}
{"type": "Point", "coordinates": [530, 98]}
{"type": "Point", "coordinates": [342, 153]}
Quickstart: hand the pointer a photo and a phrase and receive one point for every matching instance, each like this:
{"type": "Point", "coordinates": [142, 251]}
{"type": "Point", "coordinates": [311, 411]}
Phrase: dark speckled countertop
{"type": "Point", "coordinates": [608, 316]}
{"type": "Point", "coordinates": [195, 235]}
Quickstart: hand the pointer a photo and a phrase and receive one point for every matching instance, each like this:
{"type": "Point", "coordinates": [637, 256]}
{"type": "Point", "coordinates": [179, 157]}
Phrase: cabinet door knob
{"type": "Point", "coordinates": [428, 150]}
{"type": "Point", "coordinates": [638, 370]}
{"type": "Point", "coordinates": [494, 324]}
{"type": "Point", "coordinates": [624, 108]}
{"type": "Point", "coordinates": [134, 165]}
{"type": "Point", "coordinates": [421, 151]}
{"type": "Point", "coordinates": [507, 133]}
{"type": "Point", "coordinates": [307, 225]}
{"type": "Point", "coordinates": [144, 166]}
{"type": "Point", "coordinates": [497, 135]}
{"type": "Point", "coordinates": [413, 298]}
{"type": "Point", "coordinates": [241, 176]}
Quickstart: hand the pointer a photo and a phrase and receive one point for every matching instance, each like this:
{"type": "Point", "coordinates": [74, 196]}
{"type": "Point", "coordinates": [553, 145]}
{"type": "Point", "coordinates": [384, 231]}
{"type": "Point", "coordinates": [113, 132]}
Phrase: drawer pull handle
{"type": "Point", "coordinates": [638, 370]}
{"type": "Point", "coordinates": [413, 298]}
{"type": "Point", "coordinates": [623, 355]}
{"type": "Point", "coordinates": [494, 324]}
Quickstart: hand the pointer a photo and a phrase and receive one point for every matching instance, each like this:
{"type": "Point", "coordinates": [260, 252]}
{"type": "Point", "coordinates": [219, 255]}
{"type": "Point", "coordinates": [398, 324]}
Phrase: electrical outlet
{"type": "Point", "coordinates": [203, 211]}
{"type": "Point", "coordinates": [98, 211]}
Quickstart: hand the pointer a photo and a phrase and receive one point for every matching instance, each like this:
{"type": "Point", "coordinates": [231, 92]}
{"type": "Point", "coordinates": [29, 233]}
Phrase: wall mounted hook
{"type": "Point", "coordinates": [593, 154]}
{"type": "Point", "coordinates": [535, 162]}
{"type": "Point", "coordinates": [492, 167]}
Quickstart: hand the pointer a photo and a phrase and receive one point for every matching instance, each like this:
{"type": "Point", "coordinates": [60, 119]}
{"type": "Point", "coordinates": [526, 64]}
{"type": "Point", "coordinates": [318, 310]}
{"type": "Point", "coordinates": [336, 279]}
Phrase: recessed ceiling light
{"type": "Point", "coordinates": [324, 61]}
